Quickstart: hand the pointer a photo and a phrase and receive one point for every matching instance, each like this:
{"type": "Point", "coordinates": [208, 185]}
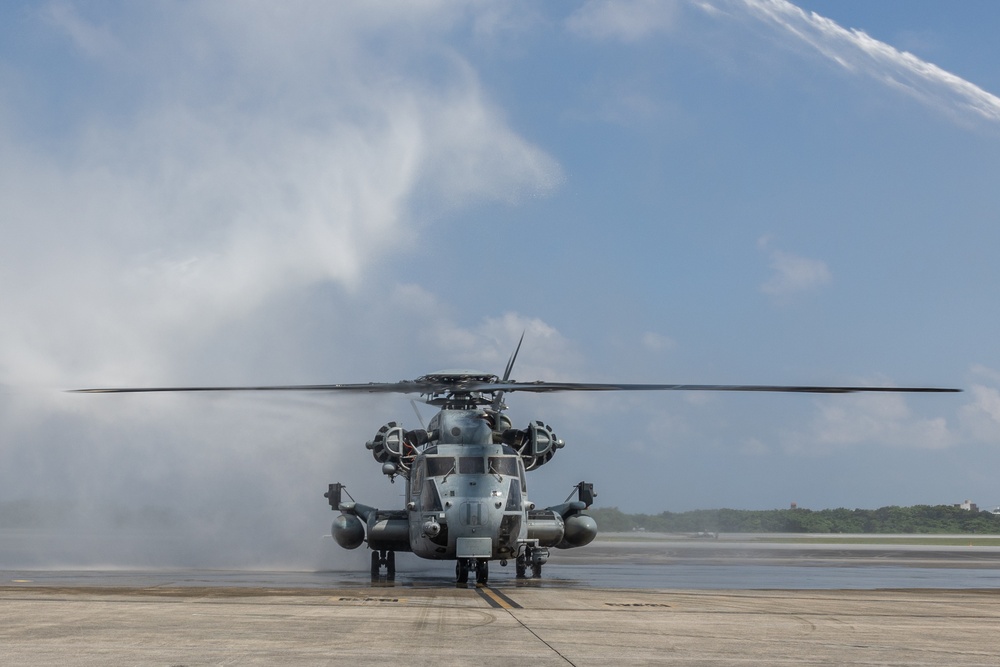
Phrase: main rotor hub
{"type": "Point", "coordinates": [458, 389]}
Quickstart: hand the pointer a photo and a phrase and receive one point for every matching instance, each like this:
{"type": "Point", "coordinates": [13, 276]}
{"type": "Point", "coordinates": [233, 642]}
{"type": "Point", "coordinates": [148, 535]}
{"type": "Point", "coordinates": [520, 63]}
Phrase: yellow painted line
{"type": "Point", "coordinates": [497, 599]}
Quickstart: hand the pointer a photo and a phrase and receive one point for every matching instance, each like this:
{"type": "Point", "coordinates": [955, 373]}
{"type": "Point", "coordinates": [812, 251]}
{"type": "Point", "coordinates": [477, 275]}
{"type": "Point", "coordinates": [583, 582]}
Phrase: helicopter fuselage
{"type": "Point", "coordinates": [466, 496]}
{"type": "Point", "coordinates": [467, 501]}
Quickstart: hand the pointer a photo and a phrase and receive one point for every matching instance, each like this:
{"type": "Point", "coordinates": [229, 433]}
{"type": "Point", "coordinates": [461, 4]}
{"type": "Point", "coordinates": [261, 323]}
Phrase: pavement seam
{"type": "Point", "coordinates": [498, 600]}
{"type": "Point", "coordinates": [537, 636]}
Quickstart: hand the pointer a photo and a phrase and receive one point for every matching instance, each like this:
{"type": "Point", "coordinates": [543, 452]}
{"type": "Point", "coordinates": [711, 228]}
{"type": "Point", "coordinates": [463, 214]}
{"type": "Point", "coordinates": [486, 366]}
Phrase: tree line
{"type": "Point", "coordinates": [927, 519]}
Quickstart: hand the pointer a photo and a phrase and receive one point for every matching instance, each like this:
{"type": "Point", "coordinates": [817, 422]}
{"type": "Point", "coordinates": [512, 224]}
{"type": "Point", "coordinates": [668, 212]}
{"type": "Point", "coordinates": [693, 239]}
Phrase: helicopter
{"type": "Point", "coordinates": [465, 472]}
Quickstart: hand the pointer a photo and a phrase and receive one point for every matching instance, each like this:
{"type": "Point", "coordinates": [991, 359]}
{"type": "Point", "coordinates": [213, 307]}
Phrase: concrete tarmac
{"type": "Point", "coordinates": [509, 624]}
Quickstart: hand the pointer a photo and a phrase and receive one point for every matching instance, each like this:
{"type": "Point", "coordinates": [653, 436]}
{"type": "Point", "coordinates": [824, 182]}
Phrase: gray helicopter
{"type": "Point", "coordinates": [465, 473]}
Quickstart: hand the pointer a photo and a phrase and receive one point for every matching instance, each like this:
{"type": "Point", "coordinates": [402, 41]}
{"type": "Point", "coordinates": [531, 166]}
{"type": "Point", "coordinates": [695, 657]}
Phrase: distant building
{"type": "Point", "coordinates": [968, 506]}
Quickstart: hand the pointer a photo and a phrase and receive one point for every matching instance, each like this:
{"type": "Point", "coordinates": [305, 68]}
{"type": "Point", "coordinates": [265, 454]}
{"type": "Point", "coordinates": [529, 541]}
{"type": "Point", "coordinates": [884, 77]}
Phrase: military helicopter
{"type": "Point", "coordinates": [465, 473]}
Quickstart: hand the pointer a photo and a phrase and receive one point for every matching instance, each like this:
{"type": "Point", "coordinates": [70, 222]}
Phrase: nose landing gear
{"type": "Point", "coordinates": [463, 566]}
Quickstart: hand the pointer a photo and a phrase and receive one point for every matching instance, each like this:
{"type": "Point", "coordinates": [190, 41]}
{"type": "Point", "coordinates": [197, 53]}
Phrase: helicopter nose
{"type": "Point", "coordinates": [470, 513]}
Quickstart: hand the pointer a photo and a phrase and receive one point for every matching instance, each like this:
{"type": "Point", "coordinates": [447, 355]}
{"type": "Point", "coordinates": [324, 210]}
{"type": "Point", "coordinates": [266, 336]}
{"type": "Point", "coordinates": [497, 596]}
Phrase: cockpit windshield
{"type": "Point", "coordinates": [441, 466]}
{"type": "Point", "coordinates": [438, 466]}
{"type": "Point", "coordinates": [503, 465]}
{"type": "Point", "coordinates": [471, 465]}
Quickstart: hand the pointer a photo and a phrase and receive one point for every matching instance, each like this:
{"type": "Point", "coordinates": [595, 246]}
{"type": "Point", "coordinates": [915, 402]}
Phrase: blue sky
{"type": "Point", "coordinates": [728, 191]}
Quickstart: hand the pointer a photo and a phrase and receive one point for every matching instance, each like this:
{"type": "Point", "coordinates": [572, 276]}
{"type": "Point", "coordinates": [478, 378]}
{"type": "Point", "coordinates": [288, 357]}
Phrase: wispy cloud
{"type": "Point", "coordinates": [628, 21]}
{"type": "Point", "coordinates": [792, 274]}
{"type": "Point", "coordinates": [657, 342]}
{"type": "Point", "coordinates": [859, 53]}
{"type": "Point", "coordinates": [91, 39]}
{"type": "Point", "coordinates": [849, 48]}
{"type": "Point", "coordinates": [180, 214]}
{"type": "Point", "coordinates": [981, 416]}
{"type": "Point", "coordinates": [885, 419]}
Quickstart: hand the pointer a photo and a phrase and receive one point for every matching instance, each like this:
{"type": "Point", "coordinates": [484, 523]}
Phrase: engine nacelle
{"type": "Point", "coordinates": [389, 530]}
{"type": "Point", "coordinates": [348, 531]}
{"type": "Point", "coordinates": [546, 526]}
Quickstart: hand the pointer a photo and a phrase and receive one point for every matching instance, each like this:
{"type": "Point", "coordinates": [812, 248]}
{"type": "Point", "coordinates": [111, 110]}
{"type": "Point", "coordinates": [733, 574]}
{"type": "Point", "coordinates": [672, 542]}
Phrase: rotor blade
{"type": "Point", "coordinates": [432, 387]}
{"type": "Point", "coordinates": [540, 387]}
{"type": "Point", "coordinates": [420, 417]}
{"type": "Point", "coordinates": [498, 397]}
{"type": "Point", "coordinates": [510, 363]}
{"type": "Point", "coordinates": [405, 387]}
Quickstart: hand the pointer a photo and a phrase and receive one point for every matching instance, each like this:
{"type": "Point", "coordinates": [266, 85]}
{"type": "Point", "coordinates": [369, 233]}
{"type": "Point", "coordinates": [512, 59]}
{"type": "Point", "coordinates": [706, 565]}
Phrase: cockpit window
{"type": "Point", "coordinates": [471, 465]}
{"type": "Point", "coordinates": [438, 466]}
{"type": "Point", "coordinates": [503, 465]}
{"type": "Point", "coordinates": [417, 478]}
{"type": "Point", "coordinates": [514, 497]}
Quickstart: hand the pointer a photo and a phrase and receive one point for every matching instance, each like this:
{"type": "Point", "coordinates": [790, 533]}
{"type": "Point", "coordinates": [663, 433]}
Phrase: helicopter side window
{"type": "Point", "coordinates": [417, 477]}
{"type": "Point", "coordinates": [504, 465]}
{"type": "Point", "coordinates": [514, 497]}
{"type": "Point", "coordinates": [430, 499]}
{"type": "Point", "coordinates": [438, 466]}
{"type": "Point", "coordinates": [471, 465]}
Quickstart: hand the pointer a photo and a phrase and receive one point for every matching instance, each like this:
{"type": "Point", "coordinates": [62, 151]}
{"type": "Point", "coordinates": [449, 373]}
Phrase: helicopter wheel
{"type": "Point", "coordinates": [390, 565]}
{"type": "Point", "coordinates": [520, 567]}
{"type": "Point", "coordinates": [462, 567]}
{"type": "Point", "coordinates": [482, 571]}
{"type": "Point", "coordinates": [376, 565]}
{"type": "Point", "coordinates": [536, 571]}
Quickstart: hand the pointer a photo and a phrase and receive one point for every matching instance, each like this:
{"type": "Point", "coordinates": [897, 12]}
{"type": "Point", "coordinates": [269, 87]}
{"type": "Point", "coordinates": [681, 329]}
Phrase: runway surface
{"type": "Point", "coordinates": [608, 606]}
{"type": "Point", "coordinates": [497, 626]}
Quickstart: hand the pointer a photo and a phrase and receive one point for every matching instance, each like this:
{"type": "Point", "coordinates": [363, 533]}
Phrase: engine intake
{"type": "Point", "coordinates": [537, 444]}
{"type": "Point", "coordinates": [395, 447]}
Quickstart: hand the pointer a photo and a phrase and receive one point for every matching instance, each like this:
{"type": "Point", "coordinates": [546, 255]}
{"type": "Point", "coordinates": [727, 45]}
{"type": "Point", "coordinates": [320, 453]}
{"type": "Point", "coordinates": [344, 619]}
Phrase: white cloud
{"type": "Point", "coordinates": [792, 274]}
{"type": "Point", "coordinates": [92, 39]}
{"type": "Point", "coordinates": [887, 420]}
{"type": "Point", "coordinates": [656, 342]}
{"type": "Point", "coordinates": [545, 354]}
{"type": "Point", "coordinates": [857, 52]}
{"type": "Point", "coordinates": [754, 447]}
{"type": "Point", "coordinates": [882, 419]}
{"type": "Point", "coordinates": [981, 417]}
{"type": "Point", "coordinates": [850, 49]}
{"type": "Point", "coordinates": [628, 21]}
{"type": "Point", "coordinates": [299, 165]}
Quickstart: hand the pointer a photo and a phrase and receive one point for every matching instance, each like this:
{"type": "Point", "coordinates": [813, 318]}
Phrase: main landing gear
{"type": "Point", "coordinates": [463, 566]}
{"type": "Point", "coordinates": [533, 557]}
{"type": "Point", "coordinates": [387, 558]}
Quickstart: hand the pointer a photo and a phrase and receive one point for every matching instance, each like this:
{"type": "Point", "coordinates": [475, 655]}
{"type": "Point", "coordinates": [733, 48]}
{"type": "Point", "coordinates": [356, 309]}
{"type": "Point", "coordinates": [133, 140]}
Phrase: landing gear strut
{"type": "Point", "coordinates": [533, 557]}
{"type": "Point", "coordinates": [463, 566]}
{"type": "Point", "coordinates": [387, 558]}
